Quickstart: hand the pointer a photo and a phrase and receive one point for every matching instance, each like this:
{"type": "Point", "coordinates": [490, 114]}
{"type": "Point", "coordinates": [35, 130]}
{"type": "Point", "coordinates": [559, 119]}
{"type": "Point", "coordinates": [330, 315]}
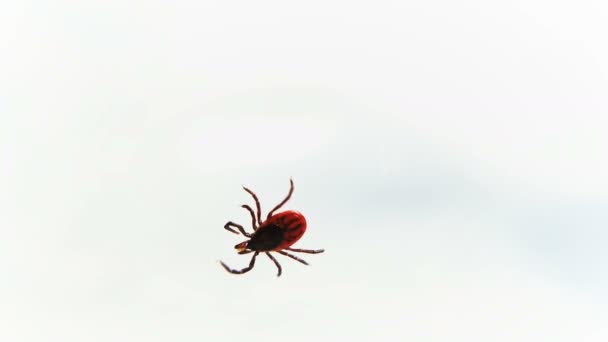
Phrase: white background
{"type": "Point", "coordinates": [450, 156]}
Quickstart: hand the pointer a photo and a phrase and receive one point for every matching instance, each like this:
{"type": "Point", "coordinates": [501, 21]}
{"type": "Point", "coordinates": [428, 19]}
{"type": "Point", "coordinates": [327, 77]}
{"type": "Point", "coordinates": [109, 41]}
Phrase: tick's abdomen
{"type": "Point", "coordinates": [278, 232]}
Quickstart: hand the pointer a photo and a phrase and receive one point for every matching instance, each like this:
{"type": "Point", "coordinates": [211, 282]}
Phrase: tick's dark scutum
{"type": "Point", "coordinates": [266, 238]}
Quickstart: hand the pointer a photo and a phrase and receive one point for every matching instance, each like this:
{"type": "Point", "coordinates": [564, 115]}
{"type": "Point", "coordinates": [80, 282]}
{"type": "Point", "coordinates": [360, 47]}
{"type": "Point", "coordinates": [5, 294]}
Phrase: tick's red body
{"type": "Point", "coordinates": [276, 234]}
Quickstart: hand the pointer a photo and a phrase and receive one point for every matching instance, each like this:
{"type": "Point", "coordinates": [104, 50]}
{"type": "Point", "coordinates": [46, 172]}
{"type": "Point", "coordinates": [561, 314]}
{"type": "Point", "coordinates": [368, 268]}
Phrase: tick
{"type": "Point", "coordinates": [276, 234]}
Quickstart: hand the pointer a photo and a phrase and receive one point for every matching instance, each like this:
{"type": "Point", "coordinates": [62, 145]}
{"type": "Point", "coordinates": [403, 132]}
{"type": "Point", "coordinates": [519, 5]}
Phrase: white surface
{"type": "Point", "coordinates": [450, 157]}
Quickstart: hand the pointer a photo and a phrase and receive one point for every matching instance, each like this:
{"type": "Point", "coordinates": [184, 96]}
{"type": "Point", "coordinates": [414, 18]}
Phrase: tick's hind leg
{"type": "Point", "coordinates": [275, 262]}
{"type": "Point", "coordinates": [309, 251]}
{"type": "Point", "coordinates": [244, 270]}
{"type": "Point", "coordinates": [284, 201]}
{"type": "Point", "coordinates": [293, 257]}
{"type": "Point", "coordinates": [237, 226]}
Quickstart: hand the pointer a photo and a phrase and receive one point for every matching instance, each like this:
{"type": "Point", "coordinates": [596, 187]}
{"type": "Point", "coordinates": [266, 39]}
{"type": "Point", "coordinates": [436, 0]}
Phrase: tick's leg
{"type": "Point", "coordinates": [257, 205]}
{"type": "Point", "coordinates": [284, 201]}
{"type": "Point", "coordinates": [275, 262]}
{"type": "Point", "coordinates": [244, 270]}
{"type": "Point", "coordinates": [237, 226]}
{"type": "Point", "coordinates": [253, 224]}
{"type": "Point", "coordinates": [309, 251]}
{"type": "Point", "coordinates": [293, 257]}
